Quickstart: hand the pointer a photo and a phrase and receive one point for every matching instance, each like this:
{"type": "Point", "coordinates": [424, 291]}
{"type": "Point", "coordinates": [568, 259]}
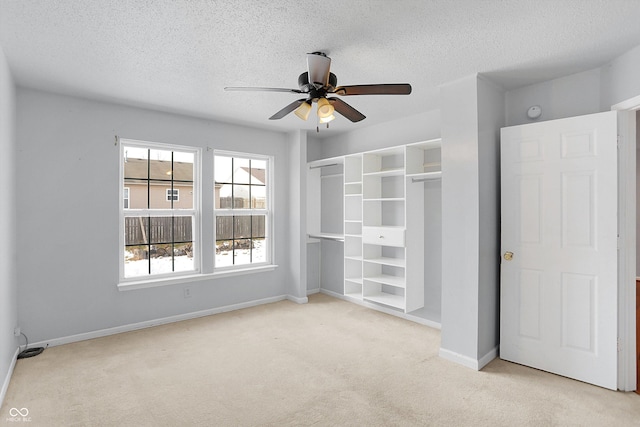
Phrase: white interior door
{"type": "Point", "coordinates": [559, 220]}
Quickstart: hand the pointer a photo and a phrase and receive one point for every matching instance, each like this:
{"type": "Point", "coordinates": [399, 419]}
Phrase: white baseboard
{"type": "Point", "coordinates": [313, 291]}
{"type": "Point", "coordinates": [382, 309]}
{"type": "Point", "coordinates": [467, 361]}
{"type": "Point", "coordinates": [162, 321]}
{"type": "Point", "coordinates": [298, 300]}
{"type": "Point", "coordinates": [7, 379]}
{"type": "Point", "coordinates": [484, 360]}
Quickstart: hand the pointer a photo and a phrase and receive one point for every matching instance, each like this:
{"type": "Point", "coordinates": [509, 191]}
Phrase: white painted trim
{"type": "Point", "coordinates": [156, 322]}
{"type": "Point", "coordinates": [468, 361]}
{"type": "Point", "coordinates": [299, 300]}
{"type": "Point", "coordinates": [630, 104]}
{"type": "Point", "coordinates": [459, 359]}
{"type": "Point", "coordinates": [313, 291]}
{"type": "Point", "coordinates": [7, 379]}
{"type": "Point", "coordinates": [152, 283]}
{"type": "Point", "coordinates": [484, 360]}
{"type": "Point", "coordinates": [415, 319]}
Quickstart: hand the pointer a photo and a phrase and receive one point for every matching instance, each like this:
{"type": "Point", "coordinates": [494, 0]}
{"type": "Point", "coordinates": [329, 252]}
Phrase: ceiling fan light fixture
{"type": "Point", "coordinates": [327, 119]}
{"type": "Point", "coordinates": [325, 109]}
{"type": "Point", "coordinates": [303, 110]}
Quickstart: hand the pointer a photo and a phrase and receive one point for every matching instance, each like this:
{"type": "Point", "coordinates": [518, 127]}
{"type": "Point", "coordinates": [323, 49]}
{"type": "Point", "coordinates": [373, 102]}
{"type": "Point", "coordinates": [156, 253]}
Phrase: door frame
{"type": "Point", "coordinates": [627, 242]}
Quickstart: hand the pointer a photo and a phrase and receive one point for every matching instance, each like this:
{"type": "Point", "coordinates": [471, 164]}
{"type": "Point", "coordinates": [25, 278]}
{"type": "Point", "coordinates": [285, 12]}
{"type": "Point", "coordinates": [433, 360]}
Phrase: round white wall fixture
{"type": "Point", "coordinates": [534, 112]}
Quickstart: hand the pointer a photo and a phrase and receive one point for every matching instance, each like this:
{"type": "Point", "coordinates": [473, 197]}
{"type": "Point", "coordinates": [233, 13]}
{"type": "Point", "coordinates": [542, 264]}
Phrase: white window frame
{"type": "Point", "coordinates": [195, 213]}
{"type": "Point", "coordinates": [267, 212]}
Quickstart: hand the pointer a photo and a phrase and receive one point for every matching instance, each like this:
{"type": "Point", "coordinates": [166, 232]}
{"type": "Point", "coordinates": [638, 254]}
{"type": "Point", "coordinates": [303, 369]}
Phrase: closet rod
{"type": "Point", "coordinates": [323, 166]}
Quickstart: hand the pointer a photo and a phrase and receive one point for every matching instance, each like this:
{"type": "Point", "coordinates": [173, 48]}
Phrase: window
{"type": "Point", "coordinates": [173, 195]}
{"type": "Point", "coordinates": [125, 193]}
{"type": "Point", "coordinates": [159, 229]}
{"type": "Point", "coordinates": [242, 210]}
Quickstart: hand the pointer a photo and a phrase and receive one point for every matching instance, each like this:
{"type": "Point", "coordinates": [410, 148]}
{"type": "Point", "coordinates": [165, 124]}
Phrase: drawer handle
{"type": "Point", "coordinates": [380, 237]}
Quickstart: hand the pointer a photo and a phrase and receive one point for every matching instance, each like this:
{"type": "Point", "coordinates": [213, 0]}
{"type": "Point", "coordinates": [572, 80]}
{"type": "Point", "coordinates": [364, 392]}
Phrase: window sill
{"type": "Point", "coordinates": [153, 283]}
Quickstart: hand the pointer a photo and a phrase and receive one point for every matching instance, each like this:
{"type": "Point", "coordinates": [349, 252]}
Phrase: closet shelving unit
{"type": "Point", "coordinates": [353, 226]}
{"type": "Point", "coordinates": [384, 222]}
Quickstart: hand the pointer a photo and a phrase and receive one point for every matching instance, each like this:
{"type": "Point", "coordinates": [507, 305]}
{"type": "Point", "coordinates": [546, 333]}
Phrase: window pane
{"type": "Point", "coordinates": [160, 229]}
{"type": "Point", "coordinates": [135, 163]}
{"type": "Point", "coordinates": [258, 197]}
{"type": "Point", "coordinates": [136, 261]}
{"type": "Point", "coordinates": [137, 194]}
{"type": "Point", "coordinates": [241, 173]}
{"type": "Point", "coordinates": [242, 251]}
{"type": "Point", "coordinates": [259, 250]}
{"type": "Point", "coordinates": [182, 229]}
{"type": "Point", "coordinates": [161, 259]}
{"type": "Point", "coordinates": [183, 166]}
{"type": "Point", "coordinates": [136, 231]}
{"type": "Point", "coordinates": [224, 228]}
{"type": "Point", "coordinates": [258, 226]}
{"type": "Point", "coordinates": [160, 164]}
{"type": "Point", "coordinates": [258, 172]}
{"type": "Point", "coordinates": [224, 253]}
{"type": "Point", "coordinates": [242, 227]}
{"type": "Point", "coordinates": [185, 196]}
{"type": "Point", "coordinates": [222, 169]}
{"type": "Point", "coordinates": [183, 257]}
{"type": "Point", "coordinates": [241, 196]}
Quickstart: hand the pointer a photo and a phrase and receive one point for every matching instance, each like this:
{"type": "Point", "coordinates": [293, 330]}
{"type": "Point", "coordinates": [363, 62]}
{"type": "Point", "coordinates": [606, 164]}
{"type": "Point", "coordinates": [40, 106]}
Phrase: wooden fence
{"type": "Point", "coordinates": [138, 231]}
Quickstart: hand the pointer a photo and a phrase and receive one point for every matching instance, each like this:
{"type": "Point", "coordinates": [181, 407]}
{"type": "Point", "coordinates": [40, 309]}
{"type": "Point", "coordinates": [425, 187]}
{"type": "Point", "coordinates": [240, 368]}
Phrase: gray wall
{"type": "Point", "coordinates": [491, 117]}
{"type": "Point", "coordinates": [67, 214]}
{"type": "Point", "coordinates": [619, 80]}
{"type": "Point", "coordinates": [472, 115]}
{"type": "Point", "coordinates": [568, 96]}
{"type": "Point", "coordinates": [418, 127]}
{"type": "Point", "coordinates": [296, 264]}
{"type": "Point", "coordinates": [460, 222]}
{"type": "Point", "coordinates": [8, 272]}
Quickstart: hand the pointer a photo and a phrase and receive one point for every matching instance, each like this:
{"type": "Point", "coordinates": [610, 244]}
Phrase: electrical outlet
{"type": "Point", "coordinates": [16, 331]}
{"type": "Point", "coordinates": [187, 292]}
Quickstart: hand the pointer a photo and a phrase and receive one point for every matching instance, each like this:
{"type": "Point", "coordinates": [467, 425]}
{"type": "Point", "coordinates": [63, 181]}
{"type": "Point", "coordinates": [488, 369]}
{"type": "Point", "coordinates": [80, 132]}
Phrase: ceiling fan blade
{"type": "Point", "coordinates": [382, 89]}
{"type": "Point", "coordinates": [318, 65]}
{"type": "Point", "coordinates": [286, 110]}
{"type": "Point", "coordinates": [262, 89]}
{"type": "Point", "coordinates": [346, 110]}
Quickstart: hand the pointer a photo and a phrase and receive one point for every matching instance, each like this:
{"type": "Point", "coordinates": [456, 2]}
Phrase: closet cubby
{"type": "Point", "coordinates": [424, 160]}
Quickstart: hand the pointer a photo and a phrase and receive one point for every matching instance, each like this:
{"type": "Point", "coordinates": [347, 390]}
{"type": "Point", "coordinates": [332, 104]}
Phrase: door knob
{"type": "Point", "coordinates": [508, 256]}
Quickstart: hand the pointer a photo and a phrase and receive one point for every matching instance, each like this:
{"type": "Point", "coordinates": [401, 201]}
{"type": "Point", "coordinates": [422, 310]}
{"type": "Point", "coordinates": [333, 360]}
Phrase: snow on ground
{"type": "Point", "coordinates": [162, 265]}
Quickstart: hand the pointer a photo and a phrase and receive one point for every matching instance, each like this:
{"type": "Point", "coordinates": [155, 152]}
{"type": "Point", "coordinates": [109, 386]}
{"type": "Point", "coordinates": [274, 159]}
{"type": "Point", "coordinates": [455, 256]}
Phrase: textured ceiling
{"type": "Point", "coordinates": [178, 55]}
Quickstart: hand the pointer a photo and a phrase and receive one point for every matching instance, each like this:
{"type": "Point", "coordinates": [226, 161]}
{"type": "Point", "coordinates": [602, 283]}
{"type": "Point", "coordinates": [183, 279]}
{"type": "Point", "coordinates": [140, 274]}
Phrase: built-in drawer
{"type": "Point", "coordinates": [386, 236]}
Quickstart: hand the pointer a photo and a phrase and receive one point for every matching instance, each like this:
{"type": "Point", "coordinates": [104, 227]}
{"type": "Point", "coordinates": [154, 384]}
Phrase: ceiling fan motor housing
{"type": "Point", "coordinates": [305, 86]}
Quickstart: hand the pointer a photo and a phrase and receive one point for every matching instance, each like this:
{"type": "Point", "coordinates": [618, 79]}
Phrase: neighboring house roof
{"type": "Point", "coordinates": [257, 174]}
{"type": "Point", "coordinates": [140, 169]}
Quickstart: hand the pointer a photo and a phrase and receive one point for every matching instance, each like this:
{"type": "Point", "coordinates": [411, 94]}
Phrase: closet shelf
{"type": "Point", "coordinates": [395, 262]}
{"type": "Point", "coordinates": [386, 172]}
{"type": "Point", "coordinates": [385, 279]}
{"type": "Point", "coordinates": [384, 199]}
{"type": "Point", "coordinates": [396, 301]}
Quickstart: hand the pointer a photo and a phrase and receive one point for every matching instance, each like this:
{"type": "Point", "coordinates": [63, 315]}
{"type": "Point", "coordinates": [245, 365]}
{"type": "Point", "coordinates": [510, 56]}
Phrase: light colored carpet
{"type": "Point", "coordinates": [325, 363]}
